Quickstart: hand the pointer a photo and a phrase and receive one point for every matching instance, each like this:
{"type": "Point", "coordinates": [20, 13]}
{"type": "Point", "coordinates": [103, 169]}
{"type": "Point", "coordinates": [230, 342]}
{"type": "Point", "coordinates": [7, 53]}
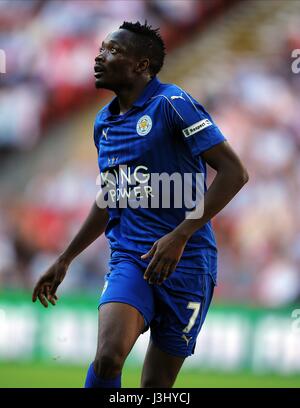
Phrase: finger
{"type": "Point", "coordinates": [46, 290]}
{"type": "Point", "coordinates": [154, 277]}
{"type": "Point", "coordinates": [54, 298]}
{"type": "Point", "coordinates": [151, 267]}
{"type": "Point", "coordinates": [168, 271]}
{"type": "Point", "coordinates": [149, 253]}
{"type": "Point", "coordinates": [42, 299]}
{"type": "Point", "coordinates": [51, 300]}
{"type": "Point", "coordinates": [38, 288]}
{"type": "Point", "coordinates": [164, 273]}
{"type": "Point", "coordinates": [171, 270]}
{"type": "Point", "coordinates": [48, 296]}
{"type": "Point", "coordinates": [35, 293]}
{"type": "Point", "coordinates": [54, 288]}
{"type": "Point", "coordinates": [174, 266]}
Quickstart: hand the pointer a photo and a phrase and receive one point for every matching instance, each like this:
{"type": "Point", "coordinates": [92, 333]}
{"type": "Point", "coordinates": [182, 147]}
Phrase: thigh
{"type": "Point", "coordinates": [119, 327]}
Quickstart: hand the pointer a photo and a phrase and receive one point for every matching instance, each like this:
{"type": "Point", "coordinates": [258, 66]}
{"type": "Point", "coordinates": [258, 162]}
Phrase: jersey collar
{"type": "Point", "coordinates": [147, 93]}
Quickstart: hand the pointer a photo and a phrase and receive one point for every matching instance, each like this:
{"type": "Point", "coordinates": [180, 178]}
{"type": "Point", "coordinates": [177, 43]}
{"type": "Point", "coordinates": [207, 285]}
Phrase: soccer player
{"type": "Point", "coordinates": [163, 262]}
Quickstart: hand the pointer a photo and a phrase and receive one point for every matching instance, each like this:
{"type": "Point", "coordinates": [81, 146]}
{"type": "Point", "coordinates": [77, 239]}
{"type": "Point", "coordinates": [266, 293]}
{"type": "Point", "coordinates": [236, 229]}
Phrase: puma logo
{"type": "Point", "coordinates": [187, 339]}
{"type": "Point", "coordinates": [178, 97]}
{"type": "Point", "coordinates": [104, 133]}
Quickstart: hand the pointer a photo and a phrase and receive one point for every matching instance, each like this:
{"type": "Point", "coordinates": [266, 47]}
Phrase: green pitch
{"type": "Point", "coordinates": [40, 375]}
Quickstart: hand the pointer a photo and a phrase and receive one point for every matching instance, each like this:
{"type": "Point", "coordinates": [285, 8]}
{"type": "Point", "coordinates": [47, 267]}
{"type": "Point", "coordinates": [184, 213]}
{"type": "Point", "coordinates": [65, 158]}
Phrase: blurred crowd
{"type": "Point", "coordinates": [50, 47]}
{"type": "Point", "coordinates": [258, 234]}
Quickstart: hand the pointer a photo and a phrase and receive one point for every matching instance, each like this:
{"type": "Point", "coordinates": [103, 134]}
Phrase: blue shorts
{"type": "Point", "coordinates": [174, 310]}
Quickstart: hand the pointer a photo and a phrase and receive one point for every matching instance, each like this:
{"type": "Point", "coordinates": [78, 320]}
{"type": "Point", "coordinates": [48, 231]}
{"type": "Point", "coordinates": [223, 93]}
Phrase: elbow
{"type": "Point", "coordinates": [236, 173]}
{"type": "Point", "coordinates": [243, 176]}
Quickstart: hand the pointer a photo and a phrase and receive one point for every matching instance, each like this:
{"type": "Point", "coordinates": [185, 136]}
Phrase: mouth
{"type": "Point", "coordinates": [98, 74]}
{"type": "Point", "coordinates": [98, 71]}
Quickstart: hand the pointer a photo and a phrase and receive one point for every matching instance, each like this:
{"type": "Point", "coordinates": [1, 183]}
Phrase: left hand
{"type": "Point", "coordinates": [166, 253]}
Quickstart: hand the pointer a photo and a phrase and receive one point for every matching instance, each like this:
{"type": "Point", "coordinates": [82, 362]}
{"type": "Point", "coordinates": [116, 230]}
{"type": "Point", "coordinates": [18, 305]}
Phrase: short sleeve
{"type": "Point", "coordinates": [196, 127]}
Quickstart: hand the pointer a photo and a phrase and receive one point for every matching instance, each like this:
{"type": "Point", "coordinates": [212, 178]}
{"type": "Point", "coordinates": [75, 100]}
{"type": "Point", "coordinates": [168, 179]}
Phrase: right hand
{"type": "Point", "coordinates": [46, 287]}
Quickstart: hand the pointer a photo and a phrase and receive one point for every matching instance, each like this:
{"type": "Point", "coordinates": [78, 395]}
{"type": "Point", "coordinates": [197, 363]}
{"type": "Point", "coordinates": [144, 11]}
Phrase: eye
{"type": "Point", "coordinates": [113, 50]}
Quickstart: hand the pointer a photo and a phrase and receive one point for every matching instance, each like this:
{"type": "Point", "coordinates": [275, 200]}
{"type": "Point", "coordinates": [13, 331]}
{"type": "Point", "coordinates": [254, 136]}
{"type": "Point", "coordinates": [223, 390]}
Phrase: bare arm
{"type": "Point", "coordinates": [230, 178]}
{"type": "Point", "coordinates": [91, 229]}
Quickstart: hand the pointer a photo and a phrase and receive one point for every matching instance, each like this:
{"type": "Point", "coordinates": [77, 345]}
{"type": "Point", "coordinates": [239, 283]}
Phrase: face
{"type": "Point", "coordinates": [116, 66]}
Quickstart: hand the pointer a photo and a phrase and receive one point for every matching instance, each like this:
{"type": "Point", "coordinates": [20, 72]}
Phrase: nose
{"type": "Point", "coordinates": [99, 58]}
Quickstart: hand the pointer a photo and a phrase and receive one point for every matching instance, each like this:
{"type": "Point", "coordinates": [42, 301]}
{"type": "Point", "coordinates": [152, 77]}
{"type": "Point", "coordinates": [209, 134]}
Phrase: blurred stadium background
{"type": "Point", "coordinates": [235, 58]}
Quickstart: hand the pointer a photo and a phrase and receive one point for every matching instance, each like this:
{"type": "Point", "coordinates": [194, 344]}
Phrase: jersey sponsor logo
{"type": "Point", "coordinates": [178, 97]}
{"type": "Point", "coordinates": [125, 186]}
{"type": "Point", "coordinates": [104, 133]}
{"type": "Point", "coordinates": [196, 127]}
{"type": "Point", "coordinates": [144, 125]}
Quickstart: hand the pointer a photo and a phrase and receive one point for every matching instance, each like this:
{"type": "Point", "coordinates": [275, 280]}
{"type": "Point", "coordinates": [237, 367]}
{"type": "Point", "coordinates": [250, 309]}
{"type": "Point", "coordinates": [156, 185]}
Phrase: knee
{"type": "Point", "coordinates": [108, 363]}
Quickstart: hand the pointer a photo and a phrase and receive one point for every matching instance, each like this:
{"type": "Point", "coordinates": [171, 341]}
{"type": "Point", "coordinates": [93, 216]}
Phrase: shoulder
{"type": "Point", "coordinates": [99, 123]}
{"type": "Point", "coordinates": [102, 113]}
{"type": "Point", "coordinates": [176, 100]}
{"type": "Point", "coordinates": [169, 92]}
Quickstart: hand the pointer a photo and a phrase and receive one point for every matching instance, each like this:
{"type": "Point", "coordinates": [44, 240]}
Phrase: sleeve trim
{"type": "Point", "coordinates": [189, 98]}
{"type": "Point", "coordinates": [164, 96]}
{"type": "Point", "coordinates": [210, 145]}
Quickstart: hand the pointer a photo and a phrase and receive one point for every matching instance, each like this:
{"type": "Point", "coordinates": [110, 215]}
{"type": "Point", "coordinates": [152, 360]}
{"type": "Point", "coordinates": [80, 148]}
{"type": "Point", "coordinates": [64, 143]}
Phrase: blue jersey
{"type": "Point", "coordinates": [165, 131]}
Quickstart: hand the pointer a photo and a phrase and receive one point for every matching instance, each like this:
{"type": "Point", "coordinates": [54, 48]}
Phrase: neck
{"type": "Point", "coordinates": [127, 96]}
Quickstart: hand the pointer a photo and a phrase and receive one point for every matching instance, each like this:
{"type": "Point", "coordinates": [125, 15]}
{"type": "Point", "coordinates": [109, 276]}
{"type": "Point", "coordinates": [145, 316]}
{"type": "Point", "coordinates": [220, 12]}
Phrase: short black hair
{"type": "Point", "coordinates": [148, 44]}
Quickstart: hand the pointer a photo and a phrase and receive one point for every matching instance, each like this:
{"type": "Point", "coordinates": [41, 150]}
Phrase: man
{"type": "Point", "coordinates": [163, 260]}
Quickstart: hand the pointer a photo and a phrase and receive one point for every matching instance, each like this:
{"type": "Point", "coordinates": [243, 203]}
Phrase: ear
{"type": "Point", "coordinates": [143, 65]}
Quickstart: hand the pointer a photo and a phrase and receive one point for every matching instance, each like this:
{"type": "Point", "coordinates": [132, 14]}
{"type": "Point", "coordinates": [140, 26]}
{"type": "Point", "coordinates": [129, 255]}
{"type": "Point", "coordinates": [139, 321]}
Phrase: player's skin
{"type": "Point", "coordinates": [118, 69]}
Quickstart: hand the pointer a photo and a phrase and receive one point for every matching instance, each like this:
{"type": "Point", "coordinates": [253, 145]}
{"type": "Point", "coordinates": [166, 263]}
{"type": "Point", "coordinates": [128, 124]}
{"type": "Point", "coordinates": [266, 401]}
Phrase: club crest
{"type": "Point", "coordinates": [144, 125]}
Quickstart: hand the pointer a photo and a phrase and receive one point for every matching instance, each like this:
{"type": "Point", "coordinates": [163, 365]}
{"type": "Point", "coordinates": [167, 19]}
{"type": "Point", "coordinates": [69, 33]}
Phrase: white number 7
{"type": "Point", "coordinates": [195, 306]}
